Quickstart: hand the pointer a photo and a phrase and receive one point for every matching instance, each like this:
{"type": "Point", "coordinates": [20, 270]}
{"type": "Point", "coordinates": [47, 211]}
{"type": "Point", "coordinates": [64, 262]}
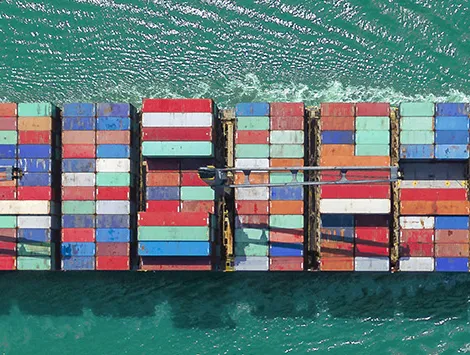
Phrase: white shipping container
{"type": "Point", "coordinates": [252, 193]}
{"type": "Point", "coordinates": [379, 263]}
{"type": "Point", "coordinates": [113, 165]}
{"type": "Point", "coordinates": [245, 163]}
{"type": "Point", "coordinates": [416, 264]}
{"type": "Point", "coordinates": [26, 207]}
{"type": "Point", "coordinates": [251, 263]}
{"type": "Point", "coordinates": [170, 119]}
{"type": "Point", "coordinates": [113, 207]}
{"type": "Point", "coordinates": [432, 184]}
{"type": "Point", "coordinates": [410, 222]}
{"type": "Point", "coordinates": [286, 137]}
{"type": "Point", "coordinates": [78, 179]}
{"type": "Point", "coordinates": [364, 206]}
{"type": "Point", "coordinates": [43, 222]}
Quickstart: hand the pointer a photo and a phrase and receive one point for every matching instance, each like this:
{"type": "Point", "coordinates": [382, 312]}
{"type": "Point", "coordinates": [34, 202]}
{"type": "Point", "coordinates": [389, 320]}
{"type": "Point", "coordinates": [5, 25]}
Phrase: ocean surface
{"type": "Point", "coordinates": [233, 51]}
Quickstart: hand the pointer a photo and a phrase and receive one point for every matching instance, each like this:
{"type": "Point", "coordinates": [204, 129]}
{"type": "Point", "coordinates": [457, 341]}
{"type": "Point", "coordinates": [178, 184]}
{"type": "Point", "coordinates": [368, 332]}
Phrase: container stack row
{"type": "Point", "coordinates": [175, 231]}
{"type": "Point", "coordinates": [355, 218]}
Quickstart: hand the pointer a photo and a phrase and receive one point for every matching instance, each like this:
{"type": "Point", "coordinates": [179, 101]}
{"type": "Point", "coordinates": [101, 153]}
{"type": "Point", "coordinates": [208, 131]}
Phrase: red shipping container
{"type": "Point", "coordinates": [78, 137]}
{"type": "Point", "coordinates": [113, 137]}
{"type": "Point", "coordinates": [162, 206]}
{"type": "Point", "coordinates": [372, 109]}
{"type": "Point", "coordinates": [34, 137]}
{"type": "Point", "coordinates": [197, 206]}
{"type": "Point", "coordinates": [414, 236]}
{"type": "Point", "coordinates": [191, 178]}
{"type": "Point", "coordinates": [286, 235]}
{"type": "Point", "coordinates": [112, 263]}
{"type": "Point", "coordinates": [286, 264]}
{"type": "Point", "coordinates": [416, 249]}
{"type": "Point", "coordinates": [78, 193]}
{"type": "Point", "coordinates": [252, 207]}
{"type": "Point", "coordinates": [8, 242]}
{"type": "Point", "coordinates": [34, 193]}
{"type": "Point", "coordinates": [175, 263]}
{"type": "Point", "coordinates": [78, 151]}
{"type": "Point", "coordinates": [286, 109]}
{"type": "Point", "coordinates": [177, 105]}
{"type": "Point", "coordinates": [336, 249]}
{"type": "Point", "coordinates": [191, 219]}
{"type": "Point", "coordinates": [451, 236]}
{"type": "Point", "coordinates": [294, 123]}
{"type": "Point", "coordinates": [371, 191]}
{"type": "Point", "coordinates": [337, 264]}
{"type": "Point", "coordinates": [7, 193]}
{"type": "Point", "coordinates": [252, 137]}
{"type": "Point", "coordinates": [375, 234]}
{"type": "Point", "coordinates": [346, 123]}
{"type": "Point", "coordinates": [337, 109]}
{"type": "Point", "coordinates": [372, 220]}
{"type": "Point", "coordinates": [167, 165]}
{"type": "Point", "coordinates": [7, 263]}
{"type": "Point", "coordinates": [163, 179]}
{"type": "Point", "coordinates": [8, 109]}
{"type": "Point", "coordinates": [177, 134]}
{"type": "Point", "coordinates": [121, 193]}
{"type": "Point", "coordinates": [433, 194]}
{"type": "Point", "coordinates": [78, 235]}
{"type": "Point", "coordinates": [8, 124]}
{"type": "Point", "coordinates": [252, 221]}
{"type": "Point", "coordinates": [451, 250]}
{"type": "Point", "coordinates": [368, 250]}
{"type": "Point", "coordinates": [112, 249]}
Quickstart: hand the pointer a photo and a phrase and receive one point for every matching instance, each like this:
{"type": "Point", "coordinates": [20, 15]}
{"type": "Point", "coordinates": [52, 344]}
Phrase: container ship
{"type": "Point", "coordinates": [183, 186]}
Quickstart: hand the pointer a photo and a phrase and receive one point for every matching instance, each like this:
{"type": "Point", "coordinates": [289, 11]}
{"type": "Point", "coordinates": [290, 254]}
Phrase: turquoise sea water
{"type": "Point", "coordinates": [310, 50]}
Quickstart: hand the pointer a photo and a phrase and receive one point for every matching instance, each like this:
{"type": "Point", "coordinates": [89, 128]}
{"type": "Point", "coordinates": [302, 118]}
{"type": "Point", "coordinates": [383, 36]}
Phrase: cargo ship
{"type": "Point", "coordinates": [183, 186]}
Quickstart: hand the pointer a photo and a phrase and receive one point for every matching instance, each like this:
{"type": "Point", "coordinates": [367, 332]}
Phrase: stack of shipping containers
{"type": "Point", "coordinates": [174, 232]}
{"type": "Point", "coordinates": [433, 195]}
{"type": "Point", "coordinates": [355, 217]}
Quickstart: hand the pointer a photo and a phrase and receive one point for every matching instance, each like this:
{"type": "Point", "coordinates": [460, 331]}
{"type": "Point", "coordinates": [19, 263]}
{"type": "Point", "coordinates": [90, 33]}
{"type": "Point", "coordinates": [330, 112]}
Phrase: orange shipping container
{"type": "Point", "coordinates": [337, 123]}
{"type": "Point", "coordinates": [34, 123]}
{"type": "Point", "coordinates": [337, 264]}
{"type": "Point", "coordinates": [78, 137]}
{"type": "Point", "coordinates": [197, 206]}
{"type": "Point", "coordinates": [336, 249]}
{"type": "Point", "coordinates": [337, 150]}
{"type": "Point", "coordinates": [421, 208]}
{"type": "Point", "coordinates": [451, 236]}
{"type": "Point", "coordinates": [8, 183]}
{"type": "Point", "coordinates": [8, 109]}
{"type": "Point", "coordinates": [355, 161]}
{"type": "Point", "coordinates": [163, 179]}
{"type": "Point", "coordinates": [279, 235]}
{"type": "Point", "coordinates": [286, 207]}
{"type": "Point", "coordinates": [254, 178]}
{"type": "Point", "coordinates": [451, 250]}
{"type": "Point", "coordinates": [280, 162]}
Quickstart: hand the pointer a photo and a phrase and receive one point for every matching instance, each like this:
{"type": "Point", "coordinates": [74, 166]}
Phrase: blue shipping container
{"type": "Point", "coordinates": [337, 234]}
{"type": "Point", "coordinates": [113, 235]}
{"type": "Point", "coordinates": [286, 249]}
{"type": "Point", "coordinates": [33, 235]}
{"type": "Point", "coordinates": [78, 263]}
{"type": "Point", "coordinates": [451, 222]}
{"type": "Point", "coordinates": [114, 109]}
{"type": "Point", "coordinates": [337, 137]}
{"type": "Point", "coordinates": [78, 221]}
{"type": "Point", "coordinates": [174, 248]}
{"type": "Point", "coordinates": [34, 151]}
{"type": "Point", "coordinates": [456, 151]}
{"type": "Point", "coordinates": [35, 179]}
{"type": "Point", "coordinates": [35, 165]}
{"type": "Point", "coordinates": [105, 221]}
{"type": "Point", "coordinates": [457, 123]}
{"type": "Point", "coordinates": [416, 151]}
{"type": "Point", "coordinates": [78, 249]}
{"type": "Point", "coordinates": [113, 151]}
{"type": "Point", "coordinates": [78, 165]}
{"type": "Point", "coordinates": [164, 193]}
{"type": "Point", "coordinates": [451, 264]}
{"type": "Point", "coordinates": [79, 109]}
{"type": "Point", "coordinates": [10, 162]}
{"type": "Point", "coordinates": [252, 109]}
{"type": "Point", "coordinates": [451, 137]}
{"type": "Point", "coordinates": [287, 193]}
{"type": "Point", "coordinates": [7, 151]}
{"type": "Point", "coordinates": [452, 109]}
{"type": "Point", "coordinates": [337, 220]}
{"type": "Point", "coordinates": [113, 124]}
{"type": "Point", "coordinates": [78, 123]}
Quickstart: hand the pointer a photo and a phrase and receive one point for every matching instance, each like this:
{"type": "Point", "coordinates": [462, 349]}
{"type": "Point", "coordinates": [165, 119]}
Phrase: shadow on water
{"type": "Point", "coordinates": [209, 300]}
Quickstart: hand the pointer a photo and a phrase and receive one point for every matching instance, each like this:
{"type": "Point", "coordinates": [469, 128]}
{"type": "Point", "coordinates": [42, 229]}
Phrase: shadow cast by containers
{"type": "Point", "coordinates": [209, 300]}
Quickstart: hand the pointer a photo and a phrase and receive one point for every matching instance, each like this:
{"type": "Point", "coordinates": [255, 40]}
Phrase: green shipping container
{"type": "Point", "coordinates": [33, 263]}
{"type": "Point", "coordinates": [252, 151]}
{"type": "Point", "coordinates": [162, 233]}
{"type": "Point", "coordinates": [251, 249]}
{"type": "Point", "coordinates": [8, 137]}
{"type": "Point", "coordinates": [286, 137]}
{"type": "Point", "coordinates": [78, 207]}
{"type": "Point", "coordinates": [8, 222]}
{"type": "Point", "coordinates": [372, 123]}
{"type": "Point", "coordinates": [417, 123]}
{"type": "Point", "coordinates": [417, 137]}
{"type": "Point", "coordinates": [177, 149]}
{"type": "Point", "coordinates": [286, 221]}
{"type": "Point", "coordinates": [113, 179]}
{"type": "Point", "coordinates": [286, 151]}
{"type": "Point", "coordinates": [372, 137]}
{"type": "Point", "coordinates": [253, 123]}
{"type": "Point", "coordinates": [40, 109]}
{"type": "Point", "coordinates": [279, 178]}
{"type": "Point", "coordinates": [30, 249]}
{"type": "Point", "coordinates": [417, 109]}
{"type": "Point", "coordinates": [372, 150]}
{"type": "Point", "coordinates": [245, 235]}
{"type": "Point", "coordinates": [195, 193]}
